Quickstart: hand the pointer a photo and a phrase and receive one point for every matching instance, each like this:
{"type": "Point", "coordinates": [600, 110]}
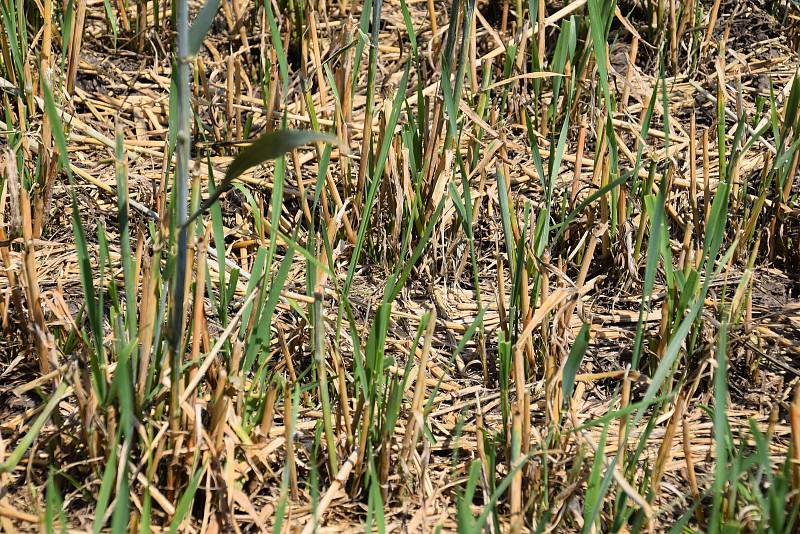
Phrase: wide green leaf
{"type": "Point", "coordinates": [574, 359]}
{"type": "Point", "coordinates": [269, 146]}
{"type": "Point", "coordinates": [201, 25]}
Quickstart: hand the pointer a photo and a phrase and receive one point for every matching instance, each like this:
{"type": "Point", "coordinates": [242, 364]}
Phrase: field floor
{"type": "Point", "coordinates": [542, 273]}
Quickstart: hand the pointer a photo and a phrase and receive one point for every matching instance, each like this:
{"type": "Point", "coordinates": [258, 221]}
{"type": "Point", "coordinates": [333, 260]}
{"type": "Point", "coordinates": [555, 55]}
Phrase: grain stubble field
{"type": "Point", "coordinates": [541, 275]}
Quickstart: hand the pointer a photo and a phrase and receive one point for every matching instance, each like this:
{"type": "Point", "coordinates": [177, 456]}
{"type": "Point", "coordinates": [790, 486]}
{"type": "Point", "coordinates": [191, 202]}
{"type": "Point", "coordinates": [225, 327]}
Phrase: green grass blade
{"type": "Point", "coordinates": [106, 487]}
{"type": "Point", "coordinates": [269, 146]}
{"type": "Point", "coordinates": [201, 25]}
{"type": "Point", "coordinates": [721, 430]}
{"type": "Point", "coordinates": [576, 354]}
{"type": "Point", "coordinates": [186, 499]}
{"type": "Point", "coordinates": [377, 178]}
{"type": "Point", "coordinates": [125, 235]}
{"type": "Point", "coordinates": [24, 444]}
{"type": "Point", "coordinates": [94, 310]}
{"type": "Point", "coordinates": [53, 507]}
